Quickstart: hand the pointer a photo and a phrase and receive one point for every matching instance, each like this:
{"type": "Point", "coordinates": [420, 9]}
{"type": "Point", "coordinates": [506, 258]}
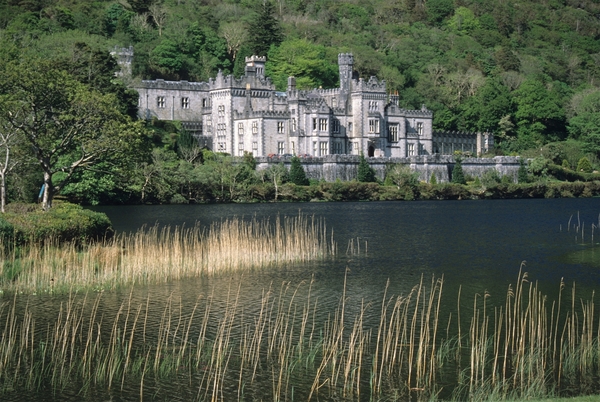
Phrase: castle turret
{"type": "Point", "coordinates": [346, 63]}
{"type": "Point", "coordinates": [255, 66]}
{"type": "Point", "coordinates": [124, 57]}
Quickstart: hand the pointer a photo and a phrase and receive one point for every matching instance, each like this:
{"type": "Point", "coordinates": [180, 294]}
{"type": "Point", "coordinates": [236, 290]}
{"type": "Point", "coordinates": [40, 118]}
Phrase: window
{"type": "Point", "coordinates": [323, 124]}
{"type": "Point", "coordinates": [280, 148]}
{"type": "Point", "coordinates": [421, 149]}
{"type": "Point", "coordinates": [221, 112]}
{"type": "Point", "coordinates": [323, 148]}
{"type": "Point", "coordinates": [240, 129]}
{"type": "Point", "coordinates": [241, 148]}
{"type": "Point", "coordinates": [349, 127]}
{"type": "Point", "coordinates": [221, 147]}
{"type": "Point", "coordinates": [254, 127]}
{"type": "Point", "coordinates": [350, 147]}
{"type": "Point", "coordinates": [314, 124]}
{"type": "Point", "coordinates": [373, 126]}
{"type": "Point", "coordinates": [419, 128]}
{"type": "Point", "coordinates": [337, 147]}
{"type": "Point", "coordinates": [294, 128]}
{"type": "Point", "coordinates": [255, 148]}
{"type": "Point", "coordinates": [139, 101]}
{"type": "Point", "coordinates": [411, 149]}
{"type": "Point", "coordinates": [336, 125]}
{"type": "Point", "coordinates": [221, 131]}
{"type": "Point", "coordinates": [280, 127]}
{"type": "Point", "coordinates": [293, 148]}
{"type": "Point", "coordinates": [160, 102]}
{"type": "Point", "coordinates": [334, 102]}
{"type": "Point", "coordinates": [185, 103]}
{"type": "Point", "coordinates": [393, 132]}
{"type": "Point", "coordinates": [204, 102]}
{"type": "Point", "coordinates": [315, 149]}
{"type": "Point", "coordinates": [209, 120]}
{"type": "Point", "coordinates": [373, 106]}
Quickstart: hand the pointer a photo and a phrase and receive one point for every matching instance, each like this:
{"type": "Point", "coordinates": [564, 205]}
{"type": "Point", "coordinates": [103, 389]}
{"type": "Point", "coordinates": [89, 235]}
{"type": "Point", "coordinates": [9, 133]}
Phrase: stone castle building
{"type": "Point", "coordinates": [247, 114]}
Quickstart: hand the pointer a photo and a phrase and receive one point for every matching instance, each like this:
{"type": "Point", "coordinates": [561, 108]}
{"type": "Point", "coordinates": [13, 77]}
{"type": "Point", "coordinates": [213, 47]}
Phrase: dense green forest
{"type": "Point", "coordinates": [529, 71]}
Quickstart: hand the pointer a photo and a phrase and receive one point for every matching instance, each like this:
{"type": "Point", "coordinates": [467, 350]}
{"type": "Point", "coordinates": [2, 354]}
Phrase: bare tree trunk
{"type": "Point", "coordinates": [48, 192]}
{"type": "Point", "coordinates": [2, 191]}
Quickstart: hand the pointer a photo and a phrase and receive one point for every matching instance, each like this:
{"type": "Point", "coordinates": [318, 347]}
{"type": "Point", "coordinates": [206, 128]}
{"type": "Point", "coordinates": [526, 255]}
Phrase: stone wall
{"type": "Point", "coordinates": [345, 167]}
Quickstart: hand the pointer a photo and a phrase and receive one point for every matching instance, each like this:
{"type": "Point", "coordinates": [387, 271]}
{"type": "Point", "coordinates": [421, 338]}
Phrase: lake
{"type": "Point", "coordinates": [384, 249]}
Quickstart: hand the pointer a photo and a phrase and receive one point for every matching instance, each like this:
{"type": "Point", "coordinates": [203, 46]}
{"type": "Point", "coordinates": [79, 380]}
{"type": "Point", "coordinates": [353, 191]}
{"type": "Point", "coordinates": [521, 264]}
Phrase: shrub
{"type": "Point", "coordinates": [64, 222]}
{"type": "Point", "coordinates": [490, 178]}
{"type": "Point", "coordinates": [433, 179]}
{"type": "Point", "coordinates": [539, 166]}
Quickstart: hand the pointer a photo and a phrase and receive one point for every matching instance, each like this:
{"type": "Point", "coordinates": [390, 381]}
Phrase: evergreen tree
{"type": "Point", "coordinates": [458, 175]}
{"type": "Point", "coordinates": [522, 176]}
{"type": "Point", "coordinates": [433, 179]}
{"type": "Point", "coordinates": [584, 165]}
{"type": "Point", "coordinates": [264, 29]}
{"type": "Point", "coordinates": [297, 173]}
{"type": "Point", "coordinates": [365, 174]}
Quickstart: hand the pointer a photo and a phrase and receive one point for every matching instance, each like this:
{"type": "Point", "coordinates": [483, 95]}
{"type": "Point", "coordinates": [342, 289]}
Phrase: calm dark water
{"type": "Point", "coordinates": [473, 242]}
{"type": "Point", "coordinates": [477, 245]}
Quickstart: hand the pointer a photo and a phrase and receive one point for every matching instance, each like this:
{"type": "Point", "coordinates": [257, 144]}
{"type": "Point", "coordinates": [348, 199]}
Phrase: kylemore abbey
{"type": "Point", "coordinates": [247, 114]}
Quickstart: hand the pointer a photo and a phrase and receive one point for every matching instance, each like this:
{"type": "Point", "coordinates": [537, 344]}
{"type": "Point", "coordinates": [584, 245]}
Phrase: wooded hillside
{"type": "Point", "coordinates": [526, 70]}
{"type": "Point", "coordinates": [529, 71]}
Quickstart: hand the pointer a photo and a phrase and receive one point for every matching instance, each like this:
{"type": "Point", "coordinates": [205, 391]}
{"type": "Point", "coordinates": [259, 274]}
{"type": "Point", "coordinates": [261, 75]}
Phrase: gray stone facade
{"type": "Point", "coordinates": [247, 114]}
{"type": "Point", "coordinates": [345, 167]}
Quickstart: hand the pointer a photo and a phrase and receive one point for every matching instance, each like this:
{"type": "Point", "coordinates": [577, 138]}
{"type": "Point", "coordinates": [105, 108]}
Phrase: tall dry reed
{"type": "Point", "coordinates": [291, 348]}
{"type": "Point", "coordinates": [164, 254]}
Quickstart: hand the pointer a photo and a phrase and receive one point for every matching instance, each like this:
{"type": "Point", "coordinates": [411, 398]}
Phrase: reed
{"type": "Point", "coordinates": [291, 350]}
{"type": "Point", "coordinates": [158, 255]}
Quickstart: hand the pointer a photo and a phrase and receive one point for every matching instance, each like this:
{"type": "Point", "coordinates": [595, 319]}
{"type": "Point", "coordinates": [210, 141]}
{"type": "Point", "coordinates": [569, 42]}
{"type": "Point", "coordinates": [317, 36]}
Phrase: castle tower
{"type": "Point", "coordinates": [345, 63]}
{"type": "Point", "coordinates": [255, 65]}
{"type": "Point", "coordinates": [124, 57]}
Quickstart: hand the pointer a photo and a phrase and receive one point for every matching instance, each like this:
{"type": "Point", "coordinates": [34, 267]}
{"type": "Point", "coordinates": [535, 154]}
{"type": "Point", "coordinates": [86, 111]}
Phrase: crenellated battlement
{"type": "Point", "coordinates": [373, 84]}
{"type": "Point", "coordinates": [261, 114]}
{"type": "Point", "coordinates": [345, 59]}
{"type": "Point", "coordinates": [424, 113]}
{"type": "Point", "coordinates": [174, 85]}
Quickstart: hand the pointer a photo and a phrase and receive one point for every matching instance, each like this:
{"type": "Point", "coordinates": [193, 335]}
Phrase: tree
{"type": "Point", "coordinates": [405, 179]}
{"type": "Point", "coordinates": [305, 61]}
{"type": "Point", "coordinates": [539, 113]}
{"type": "Point", "coordinates": [366, 174]}
{"type": "Point", "coordinates": [458, 176]}
{"type": "Point", "coordinates": [437, 10]}
{"type": "Point", "coordinates": [264, 29]}
{"type": "Point", "coordinates": [584, 165]}
{"type": "Point", "coordinates": [68, 126]}
{"type": "Point", "coordinates": [159, 16]}
{"type": "Point", "coordinates": [297, 173]}
{"type": "Point", "coordinates": [9, 140]}
{"type": "Point", "coordinates": [522, 176]}
{"type": "Point", "coordinates": [235, 34]}
{"type": "Point", "coordinates": [279, 175]}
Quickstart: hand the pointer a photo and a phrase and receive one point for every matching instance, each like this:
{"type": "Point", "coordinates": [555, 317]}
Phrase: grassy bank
{"type": "Point", "coordinates": [28, 224]}
{"type": "Point", "coordinates": [293, 350]}
{"type": "Point", "coordinates": [161, 255]}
